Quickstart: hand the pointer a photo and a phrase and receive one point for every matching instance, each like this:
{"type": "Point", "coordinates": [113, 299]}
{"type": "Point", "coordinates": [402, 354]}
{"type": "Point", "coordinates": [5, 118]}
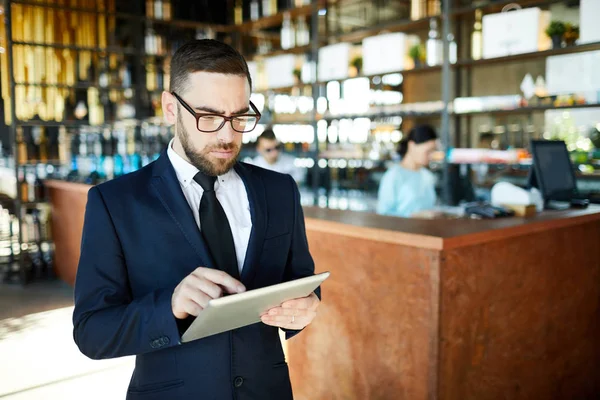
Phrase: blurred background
{"type": "Point", "coordinates": [339, 83]}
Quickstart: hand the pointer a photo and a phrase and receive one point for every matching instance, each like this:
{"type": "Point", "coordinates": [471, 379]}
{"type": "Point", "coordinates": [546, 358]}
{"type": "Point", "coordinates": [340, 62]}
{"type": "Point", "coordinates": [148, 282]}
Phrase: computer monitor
{"type": "Point", "coordinates": [552, 172]}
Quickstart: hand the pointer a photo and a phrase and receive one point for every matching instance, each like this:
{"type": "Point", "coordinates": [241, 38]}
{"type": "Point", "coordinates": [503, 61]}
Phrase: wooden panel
{"type": "Point", "coordinates": [375, 336]}
{"type": "Point", "coordinates": [68, 208]}
{"type": "Point", "coordinates": [521, 317]}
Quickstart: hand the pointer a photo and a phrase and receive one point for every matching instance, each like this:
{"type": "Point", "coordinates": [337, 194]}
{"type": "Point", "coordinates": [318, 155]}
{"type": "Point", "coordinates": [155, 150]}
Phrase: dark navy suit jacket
{"type": "Point", "coordinates": [139, 241]}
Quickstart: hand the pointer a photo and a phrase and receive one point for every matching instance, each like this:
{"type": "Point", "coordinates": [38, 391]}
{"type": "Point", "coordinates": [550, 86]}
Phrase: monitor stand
{"type": "Point", "coordinates": [554, 205]}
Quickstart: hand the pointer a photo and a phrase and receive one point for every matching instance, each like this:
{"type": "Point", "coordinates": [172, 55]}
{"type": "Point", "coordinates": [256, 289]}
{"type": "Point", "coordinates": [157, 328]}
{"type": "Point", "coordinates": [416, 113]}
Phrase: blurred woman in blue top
{"type": "Point", "coordinates": [408, 187]}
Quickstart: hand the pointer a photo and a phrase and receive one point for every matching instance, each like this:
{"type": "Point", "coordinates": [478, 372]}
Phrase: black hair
{"type": "Point", "coordinates": [205, 55]}
{"type": "Point", "coordinates": [267, 134]}
{"type": "Point", "coordinates": [419, 134]}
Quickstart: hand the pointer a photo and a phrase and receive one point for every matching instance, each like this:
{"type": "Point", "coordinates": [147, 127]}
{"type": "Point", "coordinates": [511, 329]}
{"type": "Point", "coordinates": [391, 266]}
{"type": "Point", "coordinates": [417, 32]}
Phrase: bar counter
{"type": "Point", "coordinates": [434, 309]}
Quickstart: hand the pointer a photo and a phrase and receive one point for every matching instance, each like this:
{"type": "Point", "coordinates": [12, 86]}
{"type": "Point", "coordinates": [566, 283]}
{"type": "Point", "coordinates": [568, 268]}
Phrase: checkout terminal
{"type": "Point", "coordinates": [552, 173]}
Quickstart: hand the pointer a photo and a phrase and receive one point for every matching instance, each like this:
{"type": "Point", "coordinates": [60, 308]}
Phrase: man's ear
{"type": "Point", "coordinates": [169, 108]}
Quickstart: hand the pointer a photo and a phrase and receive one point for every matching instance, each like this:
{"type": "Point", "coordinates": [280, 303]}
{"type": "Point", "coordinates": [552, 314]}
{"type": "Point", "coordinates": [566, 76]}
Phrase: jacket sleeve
{"type": "Point", "coordinates": [107, 321]}
{"type": "Point", "coordinates": [300, 263]}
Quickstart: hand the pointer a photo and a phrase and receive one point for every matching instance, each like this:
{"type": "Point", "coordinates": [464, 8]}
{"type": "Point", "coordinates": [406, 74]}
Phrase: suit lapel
{"type": "Point", "coordinates": [258, 212]}
{"type": "Point", "coordinates": [166, 185]}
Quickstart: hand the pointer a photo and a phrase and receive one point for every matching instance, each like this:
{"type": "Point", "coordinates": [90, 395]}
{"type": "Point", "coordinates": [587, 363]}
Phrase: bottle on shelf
{"type": "Point", "coordinates": [21, 146]}
{"type": "Point", "coordinates": [254, 10]}
{"type": "Point", "coordinates": [39, 189]}
{"type": "Point", "coordinates": [158, 9]}
{"type": "Point", "coordinates": [238, 13]}
{"type": "Point", "coordinates": [452, 49]}
{"type": "Point", "coordinates": [434, 44]}
{"type": "Point", "coordinates": [418, 9]}
{"type": "Point", "coordinates": [167, 10]}
{"type": "Point", "coordinates": [23, 187]}
{"type": "Point", "coordinates": [150, 8]}
{"type": "Point", "coordinates": [287, 33]}
{"type": "Point", "coordinates": [434, 8]}
{"type": "Point", "coordinates": [302, 32]}
{"type": "Point", "coordinates": [477, 37]}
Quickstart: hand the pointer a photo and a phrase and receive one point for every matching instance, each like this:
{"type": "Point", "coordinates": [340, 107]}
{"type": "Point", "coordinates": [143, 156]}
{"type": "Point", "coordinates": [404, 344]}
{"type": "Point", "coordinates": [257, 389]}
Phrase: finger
{"type": "Point", "coordinates": [198, 297]}
{"type": "Point", "coordinates": [206, 286]}
{"type": "Point", "coordinates": [284, 326]}
{"type": "Point", "coordinates": [286, 321]}
{"type": "Point", "coordinates": [287, 324]}
{"type": "Point", "coordinates": [230, 284]}
{"type": "Point", "coordinates": [191, 307]}
{"type": "Point", "coordinates": [301, 303]}
{"type": "Point", "coordinates": [289, 312]}
{"type": "Point", "coordinates": [289, 319]}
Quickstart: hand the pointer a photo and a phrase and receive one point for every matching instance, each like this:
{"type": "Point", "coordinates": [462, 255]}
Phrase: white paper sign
{"type": "Point", "coordinates": [573, 73]}
{"type": "Point", "coordinates": [384, 53]}
{"type": "Point", "coordinates": [589, 30]}
{"type": "Point", "coordinates": [513, 32]}
{"type": "Point", "coordinates": [334, 61]}
{"type": "Point", "coordinates": [280, 70]}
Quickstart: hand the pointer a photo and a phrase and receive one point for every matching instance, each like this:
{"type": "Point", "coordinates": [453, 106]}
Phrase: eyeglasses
{"type": "Point", "coordinates": [208, 122]}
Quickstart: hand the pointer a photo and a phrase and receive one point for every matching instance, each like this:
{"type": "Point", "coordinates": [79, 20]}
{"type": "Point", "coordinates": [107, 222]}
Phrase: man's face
{"type": "Point", "coordinates": [269, 149]}
{"type": "Point", "coordinates": [212, 153]}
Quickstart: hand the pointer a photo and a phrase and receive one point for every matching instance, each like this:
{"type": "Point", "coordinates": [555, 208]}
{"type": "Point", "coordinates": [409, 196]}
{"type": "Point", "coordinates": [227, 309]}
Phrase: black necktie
{"type": "Point", "coordinates": [215, 228]}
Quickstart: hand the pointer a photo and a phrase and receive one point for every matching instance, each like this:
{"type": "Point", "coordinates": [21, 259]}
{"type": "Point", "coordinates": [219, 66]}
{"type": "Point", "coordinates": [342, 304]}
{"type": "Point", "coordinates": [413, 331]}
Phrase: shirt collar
{"type": "Point", "coordinates": [185, 171]}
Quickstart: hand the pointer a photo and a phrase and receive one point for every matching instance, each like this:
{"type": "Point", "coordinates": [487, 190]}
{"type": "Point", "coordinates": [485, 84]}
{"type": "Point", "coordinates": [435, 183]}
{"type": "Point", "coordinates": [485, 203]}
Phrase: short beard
{"type": "Point", "coordinates": [201, 159]}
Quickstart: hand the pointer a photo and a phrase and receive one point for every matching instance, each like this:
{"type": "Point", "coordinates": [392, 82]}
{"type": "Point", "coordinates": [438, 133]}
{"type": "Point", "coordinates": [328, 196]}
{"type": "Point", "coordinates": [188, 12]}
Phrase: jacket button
{"type": "Point", "coordinates": [238, 381]}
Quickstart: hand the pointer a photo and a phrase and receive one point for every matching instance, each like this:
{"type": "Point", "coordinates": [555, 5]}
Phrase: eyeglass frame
{"type": "Point", "coordinates": [226, 119]}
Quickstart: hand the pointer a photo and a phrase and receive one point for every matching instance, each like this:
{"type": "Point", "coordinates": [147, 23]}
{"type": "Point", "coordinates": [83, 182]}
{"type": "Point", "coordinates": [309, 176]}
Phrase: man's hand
{"type": "Point", "coordinates": [293, 314]}
{"type": "Point", "coordinates": [195, 291]}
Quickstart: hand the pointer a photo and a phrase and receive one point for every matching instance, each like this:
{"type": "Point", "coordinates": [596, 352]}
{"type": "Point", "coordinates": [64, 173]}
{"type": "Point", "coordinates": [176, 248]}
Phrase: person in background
{"type": "Point", "coordinates": [271, 157]}
{"type": "Point", "coordinates": [408, 188]}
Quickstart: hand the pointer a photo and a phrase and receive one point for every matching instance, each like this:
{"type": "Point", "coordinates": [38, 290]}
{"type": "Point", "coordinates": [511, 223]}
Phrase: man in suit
{"type": "Point", "coordinates": [159, 243]}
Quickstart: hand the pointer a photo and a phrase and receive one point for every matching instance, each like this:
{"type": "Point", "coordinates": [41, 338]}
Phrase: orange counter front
{"type": "Point", "coordinates": [434, 309]}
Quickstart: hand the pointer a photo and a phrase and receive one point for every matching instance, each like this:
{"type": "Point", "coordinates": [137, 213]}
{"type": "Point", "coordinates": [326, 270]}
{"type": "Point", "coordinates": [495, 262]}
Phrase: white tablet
{"type": "Point", "coordinates": [237, 310]}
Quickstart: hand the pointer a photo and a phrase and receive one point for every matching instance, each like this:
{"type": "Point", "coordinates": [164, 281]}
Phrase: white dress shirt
{"type": "Point", "coordinates": [231, 193]}
{"type": "Point", "coordinates": [285, 164]}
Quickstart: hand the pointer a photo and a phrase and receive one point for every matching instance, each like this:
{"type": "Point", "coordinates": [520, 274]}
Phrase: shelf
{"type": "Point", "coordinates": [276, 19]}
{"type": "Point", "coordinates": [67, 124]}
{"type": "Point", "coordinates": [529, 56]}
{"type": "Point", "coordinates": [394, 26]}
{"type": "Point", "coordinates": [494, 7]}
{"type": "Point", "coordinates": [287, 89]}
{"type": "Point", "coordinates": [383, 114]}
{"type": "Point", "coordinates": [33, 163]}
{"type": "Point", "coordinates": [112, 50]}
{"type": "Point", "coordinates": [293, 50]}
{"type": "Point", "coordinates": [283, 90]}
{"type": "Point", "coordinates": [77, 86]}
{"type": "Point", "coordinates": [180, 23]}
{"type": "Point", "coordinates": [34, 203]}
{"type": "Point", "coordinates": [418, 70]}
{"type": "Point", "coordinates": [527, 110]}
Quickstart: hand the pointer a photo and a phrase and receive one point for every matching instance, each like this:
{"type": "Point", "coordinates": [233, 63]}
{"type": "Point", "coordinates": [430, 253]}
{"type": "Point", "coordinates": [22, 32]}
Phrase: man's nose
{"type": "Point", "coordinates": [225, 134]}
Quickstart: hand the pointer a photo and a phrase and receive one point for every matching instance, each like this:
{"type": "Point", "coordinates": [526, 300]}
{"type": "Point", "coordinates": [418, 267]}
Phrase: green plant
{"type": "Point", "coordinates": [556, 28]}
{"type": "Point", "coordinates": [298, 73]}
{"type": "Point", "coordinates": [357, 63]}
{"type": "Point", "coordinates": [417, 52]}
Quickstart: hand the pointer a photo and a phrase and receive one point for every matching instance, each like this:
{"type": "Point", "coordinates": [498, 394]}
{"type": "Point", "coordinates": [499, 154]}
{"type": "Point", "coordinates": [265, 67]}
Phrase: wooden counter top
{"type": "Point", "coordinates": [440, 234]}
{"type": "Point", "coordinates": [68, 186]}
{"type": "Point", "coordinates": [434, 234]}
